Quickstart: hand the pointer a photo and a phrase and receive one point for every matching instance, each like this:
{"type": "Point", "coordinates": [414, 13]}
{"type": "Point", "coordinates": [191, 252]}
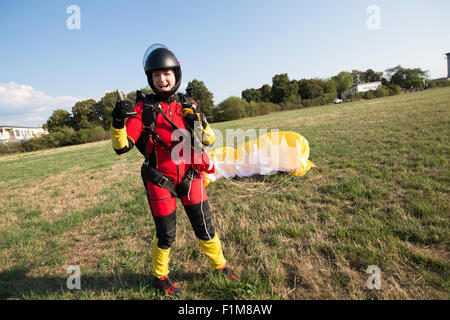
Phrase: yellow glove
{"type": "Point", "coordinates": [192, 116]}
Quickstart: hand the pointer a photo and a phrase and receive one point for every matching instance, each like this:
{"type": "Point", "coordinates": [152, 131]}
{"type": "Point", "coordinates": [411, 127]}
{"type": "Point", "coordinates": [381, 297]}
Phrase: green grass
{"type": "Point", "coordinates": [378, 196]}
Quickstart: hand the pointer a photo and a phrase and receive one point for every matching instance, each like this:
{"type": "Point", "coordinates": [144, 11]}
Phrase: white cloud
{"type": "Point", "coordinates": [21, 104]}
{"type": "Point", "coordinates": [35, 118]}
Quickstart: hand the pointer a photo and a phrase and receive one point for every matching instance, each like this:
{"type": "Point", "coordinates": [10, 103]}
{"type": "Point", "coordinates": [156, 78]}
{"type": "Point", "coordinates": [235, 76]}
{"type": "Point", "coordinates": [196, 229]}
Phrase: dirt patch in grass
{"type": "Point", "coordinates": [88, 243]}
{"type": "Point", "coordinates": [62, 193]}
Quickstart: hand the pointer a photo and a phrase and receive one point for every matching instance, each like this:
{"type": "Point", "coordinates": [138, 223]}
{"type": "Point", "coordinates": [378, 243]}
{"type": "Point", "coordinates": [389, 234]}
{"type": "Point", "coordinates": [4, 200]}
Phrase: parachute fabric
{"type": "Point", "coordinates": [283, 151]}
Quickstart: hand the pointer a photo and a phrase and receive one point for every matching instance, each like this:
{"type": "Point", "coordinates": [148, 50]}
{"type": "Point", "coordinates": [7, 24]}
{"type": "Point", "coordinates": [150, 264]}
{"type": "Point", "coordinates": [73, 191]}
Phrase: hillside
{"type": "Point", "coordinates": [378, 196]}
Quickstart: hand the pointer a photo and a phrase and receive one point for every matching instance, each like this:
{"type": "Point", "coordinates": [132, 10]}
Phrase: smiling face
{"type": "Point", "coordinates": [163, 80]}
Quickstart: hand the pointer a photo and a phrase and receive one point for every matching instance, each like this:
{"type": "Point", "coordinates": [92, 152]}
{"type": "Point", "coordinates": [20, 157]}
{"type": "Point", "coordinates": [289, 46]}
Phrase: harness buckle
{"type": "Point", "coordinates": [162, 182]}
{"type": "Point", "coordinates": [146, 160]}
{"type": "Point", "coordinates": [191, 173]}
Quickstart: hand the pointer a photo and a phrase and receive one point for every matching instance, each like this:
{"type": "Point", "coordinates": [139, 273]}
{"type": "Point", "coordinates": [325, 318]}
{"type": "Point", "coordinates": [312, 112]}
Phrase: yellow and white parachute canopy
{"type": "Point", "coordinates": [272, 152]}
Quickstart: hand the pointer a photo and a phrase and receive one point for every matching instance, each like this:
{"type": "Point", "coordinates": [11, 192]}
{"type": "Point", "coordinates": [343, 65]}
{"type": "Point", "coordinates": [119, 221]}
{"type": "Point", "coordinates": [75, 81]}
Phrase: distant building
{"type": "Point", "coordinates": [448, 70]}
{"type": "Point", "coordinates": [448, 65]}
{"type": "Point", "coordinates": [362, 87]}
{"type": "Point", "coordinates": [19, 134]}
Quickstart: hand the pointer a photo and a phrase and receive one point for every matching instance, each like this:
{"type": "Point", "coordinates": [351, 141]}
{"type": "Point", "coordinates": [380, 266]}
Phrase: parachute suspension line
{"type": "Point", "coordinates": [189, 191]}
{"type": "Point", "coordinates": [258, 188]}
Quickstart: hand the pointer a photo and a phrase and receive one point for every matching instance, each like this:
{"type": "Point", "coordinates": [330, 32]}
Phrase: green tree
{"type": "Point", "coordinates": [371, 76]}
{"type": "Point", "coordinates": [344, 80]}
{"type": "Point", "coordinates": [283, 88]}
{"type": "Point", "coordinates": [231, 108]}
{"type": "Point", "coordinates": [250, 108]}
{"type": "Point", "coordinates": [202, 96]}
{"type": "Point", "coordinates": [104, 107]}
{"type": "Point", "coordinates": [329, 88]}
{"type": "Point", "coordinates": [59, 119]}
{"type": "Point", "coordinates": [407, 78]}
{"type": "Point", "coordinates": [251, 95]}
{"type": "Point", "coordinates": [357, 76]}
{"type": "Point", "coordinates": [84, 115]}
{"type": "Point", "coordinates": [309, 88]}
{"type": "Point", "coordinates": [266, 93]}
{"type": "Point", "coordinates": [366, 76]}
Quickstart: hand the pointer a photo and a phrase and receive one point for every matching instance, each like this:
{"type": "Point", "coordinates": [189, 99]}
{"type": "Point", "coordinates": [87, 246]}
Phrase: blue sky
{"type": "Point", "coordinates": [230, 45]}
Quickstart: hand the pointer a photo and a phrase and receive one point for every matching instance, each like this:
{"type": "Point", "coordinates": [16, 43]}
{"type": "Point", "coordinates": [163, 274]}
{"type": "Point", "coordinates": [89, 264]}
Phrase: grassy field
{"type": "Point", "coordinates": [378, 196]}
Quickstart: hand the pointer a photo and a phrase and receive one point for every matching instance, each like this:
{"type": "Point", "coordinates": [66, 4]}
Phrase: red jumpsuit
{"type": "Point", "coordinates": [162, 202]}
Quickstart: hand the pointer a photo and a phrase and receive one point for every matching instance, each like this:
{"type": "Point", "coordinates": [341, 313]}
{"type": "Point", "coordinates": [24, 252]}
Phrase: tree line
{"type": "Point", "coordinates": [282, 94]}
{"type": "Point", "coordinates": [90, 120]}
{"type": "Point", "coordinates": [90, 113]}
{"type": "Point", "coordinates": [285, 93]}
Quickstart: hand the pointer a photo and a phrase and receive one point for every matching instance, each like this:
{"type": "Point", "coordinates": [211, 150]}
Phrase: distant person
{"type": "Point", "coordinates": [150, 126]}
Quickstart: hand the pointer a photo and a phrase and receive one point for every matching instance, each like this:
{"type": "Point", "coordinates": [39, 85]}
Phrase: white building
{"type": "Point", "coordinates": [448, 70]}
{"type": "Point", "coordinates": [19, 134]}
{"type": "Point", "coordinates": [448, 65]}
{"type": "Point", "coordinates": [362, 87]}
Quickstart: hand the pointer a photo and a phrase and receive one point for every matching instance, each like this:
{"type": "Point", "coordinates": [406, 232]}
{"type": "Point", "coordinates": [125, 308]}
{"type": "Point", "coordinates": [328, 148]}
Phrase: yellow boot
{"type": "Point", "coordinates": [160, 269]}
{"type": "Point", "coordinates": [160, 260]}
{"type": "Point", "coordinates": [213, 251]}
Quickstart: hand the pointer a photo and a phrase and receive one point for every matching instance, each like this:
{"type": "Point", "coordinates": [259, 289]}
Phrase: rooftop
{"type": "Point", "coordinates": [21, 127]}
{"type": "Point", "coordinates": [362, 83]}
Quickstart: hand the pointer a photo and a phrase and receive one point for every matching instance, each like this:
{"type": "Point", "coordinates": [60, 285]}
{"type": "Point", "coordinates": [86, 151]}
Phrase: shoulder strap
{"type": "Point", "coordinates": [185, 100]}
{"type": "Point", "coordinates": [139, 96]}
{"type": "Point", "coordinates": [149, 115]}
{"type": "Point", "coordinates": [149, 110]}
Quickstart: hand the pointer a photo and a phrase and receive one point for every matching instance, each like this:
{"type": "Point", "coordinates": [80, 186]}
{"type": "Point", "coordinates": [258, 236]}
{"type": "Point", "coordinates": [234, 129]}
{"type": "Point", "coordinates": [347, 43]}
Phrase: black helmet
{"type": "Point", "coordinates": [159, 57]}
